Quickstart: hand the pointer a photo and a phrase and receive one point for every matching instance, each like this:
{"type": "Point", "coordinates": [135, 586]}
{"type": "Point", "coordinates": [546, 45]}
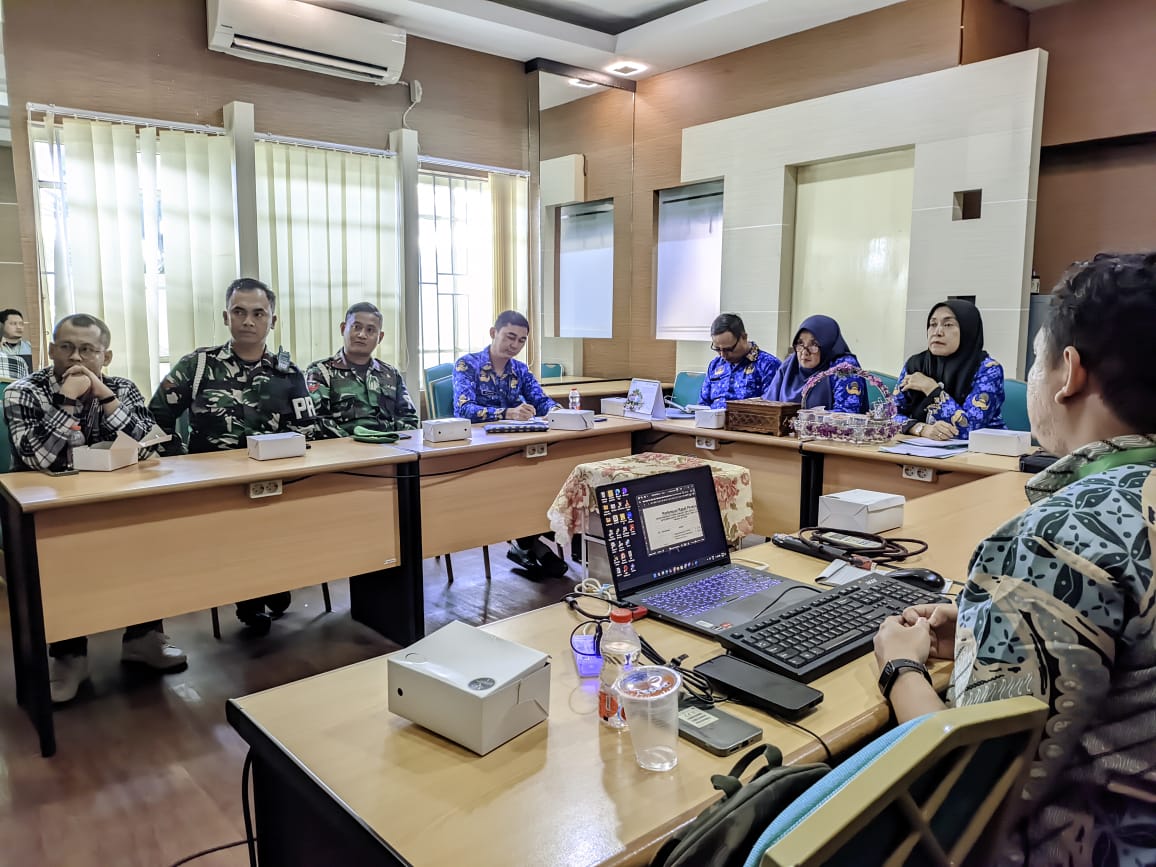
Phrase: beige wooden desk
{"type": "Point", "coordinates": [339, 780]}
{"type": "Point", "coordinates": [775, 464]}
{"type": "Point", "coordinates": [486, 490]}
{"type": "Point", "coordinates": [568, 380]}
{"type": "Point", "coordinates": [832, 466]}
{"type": "Point", "coordinates": [96, 551]}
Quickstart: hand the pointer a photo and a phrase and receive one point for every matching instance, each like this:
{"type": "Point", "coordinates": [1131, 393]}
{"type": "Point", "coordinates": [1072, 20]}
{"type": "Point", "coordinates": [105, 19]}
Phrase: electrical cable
{"type": "Point", "coordinates": [249, 840]}
{"type": "Point", "coordinates": [855, 546]}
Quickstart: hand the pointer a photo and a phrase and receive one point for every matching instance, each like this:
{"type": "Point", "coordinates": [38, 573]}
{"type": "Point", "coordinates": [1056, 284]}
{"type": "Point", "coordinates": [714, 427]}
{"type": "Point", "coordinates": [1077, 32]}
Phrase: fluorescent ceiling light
{"type": "Point", "coordinates": [626, 67]}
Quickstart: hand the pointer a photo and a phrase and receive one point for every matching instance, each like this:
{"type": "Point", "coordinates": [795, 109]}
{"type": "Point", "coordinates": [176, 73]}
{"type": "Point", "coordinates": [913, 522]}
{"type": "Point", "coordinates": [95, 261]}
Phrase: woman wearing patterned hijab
{"type": "Point", "coordinates": [1059, 602]}
{"type": "Point", "coordinates": [953, 387]}
{"type": "Point", "coordinates": [819, 346]}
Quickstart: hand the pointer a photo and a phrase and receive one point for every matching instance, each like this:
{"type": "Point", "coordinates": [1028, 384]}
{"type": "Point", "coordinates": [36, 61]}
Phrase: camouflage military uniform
{"type": "Point", "coordinates": [344, 398]}
{"type": "Point", "coordinates": [231, 400]}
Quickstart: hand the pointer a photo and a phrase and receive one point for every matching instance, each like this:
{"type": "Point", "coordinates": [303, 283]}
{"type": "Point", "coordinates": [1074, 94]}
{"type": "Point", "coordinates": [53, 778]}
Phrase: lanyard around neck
{"type": "Point", "coordinates": [1117, 459]}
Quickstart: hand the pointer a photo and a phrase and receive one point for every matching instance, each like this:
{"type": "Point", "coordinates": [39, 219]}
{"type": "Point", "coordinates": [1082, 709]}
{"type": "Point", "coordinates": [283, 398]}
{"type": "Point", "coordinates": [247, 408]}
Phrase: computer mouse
{"type": "Point", "coordinates": [919, 577]}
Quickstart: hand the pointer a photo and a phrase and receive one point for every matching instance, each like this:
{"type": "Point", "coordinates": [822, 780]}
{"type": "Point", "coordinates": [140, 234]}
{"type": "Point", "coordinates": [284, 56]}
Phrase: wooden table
{"type": "Point", "coordinates": [775, 464]}
{"type": "Point", "coordinates": [96, 551]}
{"type": "Point", "coordinates": [340, 780]}
{"type": "Point", "coordinates": [833, 466]}
{"type": "Point", "coordinates": [486, 490]}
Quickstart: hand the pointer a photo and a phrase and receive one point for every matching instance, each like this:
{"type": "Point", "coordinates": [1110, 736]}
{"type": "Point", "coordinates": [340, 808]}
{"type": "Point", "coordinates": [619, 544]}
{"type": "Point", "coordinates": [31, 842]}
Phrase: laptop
{"type": "Point", "coordinates": [667, 550]}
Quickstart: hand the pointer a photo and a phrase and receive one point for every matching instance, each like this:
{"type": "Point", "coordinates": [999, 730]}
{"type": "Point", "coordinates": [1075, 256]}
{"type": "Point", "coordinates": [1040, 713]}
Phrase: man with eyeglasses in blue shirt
{"type": "Point", "coordinates": [741, 369]}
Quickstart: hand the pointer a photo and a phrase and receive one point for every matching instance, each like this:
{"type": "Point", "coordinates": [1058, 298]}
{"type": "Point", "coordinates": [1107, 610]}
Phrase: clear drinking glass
{"type": "Point", "coordinates": [649, 695]}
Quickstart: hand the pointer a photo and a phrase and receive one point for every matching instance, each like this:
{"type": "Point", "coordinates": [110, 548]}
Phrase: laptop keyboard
{"type": "Point", "coordinates": [811, 638]}
{"type": "Point", "coordinates": [728, 585]}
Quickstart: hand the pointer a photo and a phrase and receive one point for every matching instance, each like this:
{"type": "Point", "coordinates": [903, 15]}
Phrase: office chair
{"type": "Point", "coordinates": [550, 369]}
{"type": "Point", "coordinates": [932, 791]}
{"type": "Point", "coordinates": [5, 439]}
{"type": "Point", "coordinates": [438, 371]}
{"type": "Point", "coordinates": [687, 387]}
{"type": "Point", "coordinates": [442, 406]}
{"type": "Point", "coordinates": [1015, 404]}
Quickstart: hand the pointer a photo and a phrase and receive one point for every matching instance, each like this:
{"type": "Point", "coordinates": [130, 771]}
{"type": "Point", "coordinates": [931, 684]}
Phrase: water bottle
{"type": "Point", "coordinates": [75, 440]}
{"type": "Point", "coordinates": [620, 646]}
{"type": "Point", "coordinates": [575, 399]}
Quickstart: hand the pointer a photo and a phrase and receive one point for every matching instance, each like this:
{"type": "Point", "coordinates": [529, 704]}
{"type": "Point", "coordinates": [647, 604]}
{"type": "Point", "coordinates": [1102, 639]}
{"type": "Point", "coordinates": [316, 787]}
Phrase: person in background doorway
{"type": "Point", "coordinates": [12, 340]}
{"type": "Point", "coordinates": [819, 346]}
{"type": "Point", "coordinates": [740, 370]}
{"type": "Point", "coordinates": [953, 387]}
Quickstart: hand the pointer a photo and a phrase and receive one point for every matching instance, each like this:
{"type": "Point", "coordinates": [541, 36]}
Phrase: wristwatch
{"type": "Point", "coordinates": [894, 668]}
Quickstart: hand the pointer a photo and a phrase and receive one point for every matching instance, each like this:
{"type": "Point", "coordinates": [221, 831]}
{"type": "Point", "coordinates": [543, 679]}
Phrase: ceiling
{"type": "Point", "coordinates": [599, 15]}
{"type": "Point", "coordinates": [595, 34]}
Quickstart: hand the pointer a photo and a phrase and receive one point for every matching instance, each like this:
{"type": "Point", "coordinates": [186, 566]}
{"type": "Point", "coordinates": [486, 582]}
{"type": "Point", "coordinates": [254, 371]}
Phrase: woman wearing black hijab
{"type": "Point", "coordinates": [953, 387]}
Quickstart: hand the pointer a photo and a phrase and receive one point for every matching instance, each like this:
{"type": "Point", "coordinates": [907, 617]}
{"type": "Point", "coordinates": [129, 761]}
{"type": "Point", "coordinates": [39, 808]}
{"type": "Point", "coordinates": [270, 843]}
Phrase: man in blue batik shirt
{"type": "Point", "coordinates": [741, 370]}
{"type": "Point", "coordinates": [492, 385]}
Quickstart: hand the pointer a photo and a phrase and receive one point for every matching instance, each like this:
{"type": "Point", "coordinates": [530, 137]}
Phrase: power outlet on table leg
{"type": "Point", "coordinates": [709, 443]}
{"type": "Point", "coordinates": [918, 474]}
{"type": "Point", "coordinates": [537, 450]}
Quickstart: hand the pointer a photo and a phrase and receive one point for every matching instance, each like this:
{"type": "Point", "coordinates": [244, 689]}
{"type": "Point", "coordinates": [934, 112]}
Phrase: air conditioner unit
{"type": "Point", "coordinates": [304, 36]}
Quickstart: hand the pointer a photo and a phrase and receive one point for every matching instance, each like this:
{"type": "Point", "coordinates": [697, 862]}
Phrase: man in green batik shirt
{"type": "Point", "coordinates": [234, 391]}
{"type": "Point", "coordinates": [353, 388]}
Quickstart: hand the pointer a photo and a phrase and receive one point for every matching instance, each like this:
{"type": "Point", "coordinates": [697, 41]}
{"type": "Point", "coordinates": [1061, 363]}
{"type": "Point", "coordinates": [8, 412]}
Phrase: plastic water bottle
{"type": "Point", "coordinates": [575, 399]}
{"type": "Point", "coordinates": [620, 646]}
{"type": "Point", "coordinates": [75, 439]}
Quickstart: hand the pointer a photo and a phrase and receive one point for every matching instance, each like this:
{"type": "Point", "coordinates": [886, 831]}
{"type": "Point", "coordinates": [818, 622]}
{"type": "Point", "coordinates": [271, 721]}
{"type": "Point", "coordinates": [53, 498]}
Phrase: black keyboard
{"type": "Point", "coordinates": [694, 598]}
{"type": "Point", "coordinates": [814, 637]}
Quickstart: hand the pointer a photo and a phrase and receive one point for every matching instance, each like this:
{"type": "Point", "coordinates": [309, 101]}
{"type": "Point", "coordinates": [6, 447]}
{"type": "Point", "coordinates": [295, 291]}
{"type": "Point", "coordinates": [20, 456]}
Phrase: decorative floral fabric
{"type": "Point", "coordinates": [575, 502]}
{"type": "Point", "coordinates": [979, 410]}
{"type": "Point", "coordinates": [1060, 604]}
{"type": "Point", "coordinates": [750, 377]}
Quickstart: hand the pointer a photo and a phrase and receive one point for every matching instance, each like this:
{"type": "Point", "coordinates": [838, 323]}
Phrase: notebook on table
{"type": "Point", "coordinates": [517, 427]}
{"type": "Point", "coordinates": [668, 551]}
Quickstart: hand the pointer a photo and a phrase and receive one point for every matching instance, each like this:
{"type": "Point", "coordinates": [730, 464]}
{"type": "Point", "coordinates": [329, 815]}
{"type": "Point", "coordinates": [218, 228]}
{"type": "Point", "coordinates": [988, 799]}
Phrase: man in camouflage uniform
{"type": "Point", "coordinates": [353, 388]}
{"type": "Point", "coordinates": [232, 391]}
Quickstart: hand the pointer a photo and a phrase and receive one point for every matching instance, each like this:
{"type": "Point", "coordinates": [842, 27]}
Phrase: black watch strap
{"type": "Point", "coordinates": [105, 401]}
{"type": "Point", "coordinates": [896, 667]}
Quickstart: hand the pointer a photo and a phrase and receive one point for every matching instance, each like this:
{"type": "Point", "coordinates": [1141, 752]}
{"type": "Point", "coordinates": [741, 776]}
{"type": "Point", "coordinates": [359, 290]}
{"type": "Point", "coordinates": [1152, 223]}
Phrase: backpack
{"type": "Point", "coordinates": [723, 834]}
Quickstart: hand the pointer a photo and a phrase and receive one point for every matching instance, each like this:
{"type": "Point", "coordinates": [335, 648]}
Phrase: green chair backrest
{"type": "Point", "coordinates": [688, 387]}
{"type": "Point", "coordinates": [873, 394]}
{"type": "Point", "coordinates": [442, 397]}
{"type": "Point", "coordinates": [5, 437]}
{"type": "Point", "coordinates": [549, 368]}
{"type": "Point", "coordinates": [1015, 404]}
{"type": "Point", "coordinates": [438, 371]}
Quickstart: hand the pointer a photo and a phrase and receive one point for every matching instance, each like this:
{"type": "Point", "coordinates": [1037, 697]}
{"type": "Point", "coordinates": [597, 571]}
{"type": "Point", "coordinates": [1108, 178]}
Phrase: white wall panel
{"type": "Point", "coordinates": [982, 122]}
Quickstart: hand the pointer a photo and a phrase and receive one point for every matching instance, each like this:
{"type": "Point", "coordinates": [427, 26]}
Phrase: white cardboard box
{"type": "Point", "coordinates": [470, 686]}
{"type": "Point", "coordinates": [570, 419]}
{"type": "Point", "coordinates": [866, 511]}
{"type": "Point", "coordinates": [614, 406]}
{"type": "Point", "coordinates": [1000, 442]}
{"type": "Point", "coordinates": [114, 454]}
{"type": "Point", "coordinates": [444, 430]}
{"type": "Point", "coordinates": [714, 419]}
{"type": "Point", "coordinates": [270, 447]}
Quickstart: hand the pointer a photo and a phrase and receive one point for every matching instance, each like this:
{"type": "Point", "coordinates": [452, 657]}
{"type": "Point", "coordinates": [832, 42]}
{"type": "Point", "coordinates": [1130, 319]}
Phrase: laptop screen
{"type": "Point", "coordinates": [659, 527]}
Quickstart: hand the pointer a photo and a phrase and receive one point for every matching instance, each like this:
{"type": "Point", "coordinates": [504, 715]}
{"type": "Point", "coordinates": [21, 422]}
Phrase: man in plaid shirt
{"type": "Point", "coordinates": [44, 412]}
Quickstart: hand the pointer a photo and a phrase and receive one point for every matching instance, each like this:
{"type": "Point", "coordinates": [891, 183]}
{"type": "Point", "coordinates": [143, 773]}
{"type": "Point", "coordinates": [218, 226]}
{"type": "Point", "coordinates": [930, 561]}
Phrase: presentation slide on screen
{"type": "Point", "coordinates": [675, 522]}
